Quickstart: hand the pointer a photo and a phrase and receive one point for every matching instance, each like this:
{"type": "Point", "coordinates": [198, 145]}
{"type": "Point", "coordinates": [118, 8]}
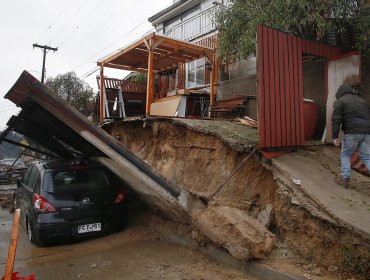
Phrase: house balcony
{"type": "Point", "coordinates": [195, 27]}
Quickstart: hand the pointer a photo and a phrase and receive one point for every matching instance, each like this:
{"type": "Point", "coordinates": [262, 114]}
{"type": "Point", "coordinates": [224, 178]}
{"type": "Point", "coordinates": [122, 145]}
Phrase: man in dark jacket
{"type": "Point", "coordinates": [352, 115]}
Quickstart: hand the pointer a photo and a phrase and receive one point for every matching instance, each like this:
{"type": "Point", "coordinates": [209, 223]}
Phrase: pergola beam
{"type": "Point", "coordinates": [128, 68]}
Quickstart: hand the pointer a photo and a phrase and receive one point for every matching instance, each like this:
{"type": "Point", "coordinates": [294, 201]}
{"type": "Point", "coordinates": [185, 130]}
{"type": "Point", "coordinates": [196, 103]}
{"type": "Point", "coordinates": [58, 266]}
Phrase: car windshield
{"type": "Point", "coordinates": [76, 180]}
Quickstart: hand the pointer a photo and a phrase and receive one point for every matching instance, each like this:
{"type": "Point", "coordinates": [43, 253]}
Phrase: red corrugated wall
{"type": "Point", "coordinates": [280, 86]}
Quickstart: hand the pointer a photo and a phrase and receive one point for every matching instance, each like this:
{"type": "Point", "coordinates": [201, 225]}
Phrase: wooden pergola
{"type": "Point", "coordinates": [154, 53]}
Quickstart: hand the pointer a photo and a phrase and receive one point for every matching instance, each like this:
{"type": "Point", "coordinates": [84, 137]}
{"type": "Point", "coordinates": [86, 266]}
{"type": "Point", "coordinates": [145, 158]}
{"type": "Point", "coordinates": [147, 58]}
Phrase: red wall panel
{"type": "Point", "coordinates": [280, 86]}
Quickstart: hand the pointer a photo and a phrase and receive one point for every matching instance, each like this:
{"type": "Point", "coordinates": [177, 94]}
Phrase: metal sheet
{"type": "Point", "coordinates": [279, 89]}
{"type": "Point", "coordinates": [280, 86]}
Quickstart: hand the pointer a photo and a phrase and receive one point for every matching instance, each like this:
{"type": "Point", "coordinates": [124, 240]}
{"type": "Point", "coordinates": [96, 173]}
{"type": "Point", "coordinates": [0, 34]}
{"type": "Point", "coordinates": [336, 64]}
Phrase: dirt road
{"type": "Point", "coordinates": [135, 253]}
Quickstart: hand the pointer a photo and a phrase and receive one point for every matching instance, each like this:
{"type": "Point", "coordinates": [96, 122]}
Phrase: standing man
{"type": "Point", "coordinates": [352, 115]}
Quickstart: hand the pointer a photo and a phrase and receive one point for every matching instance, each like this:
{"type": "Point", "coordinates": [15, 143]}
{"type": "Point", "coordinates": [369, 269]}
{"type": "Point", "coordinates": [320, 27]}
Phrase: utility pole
{"type": "Point", "coordinates": [45, 50]}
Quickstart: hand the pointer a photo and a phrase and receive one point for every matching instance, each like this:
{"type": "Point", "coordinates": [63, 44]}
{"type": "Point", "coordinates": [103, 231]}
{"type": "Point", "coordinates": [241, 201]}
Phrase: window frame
{"type": "Point", "coordinates": [199, 67]}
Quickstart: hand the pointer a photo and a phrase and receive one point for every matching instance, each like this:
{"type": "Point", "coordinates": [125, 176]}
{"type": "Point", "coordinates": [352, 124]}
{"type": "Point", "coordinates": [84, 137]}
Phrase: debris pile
{"type": "Point", "coordinates": [9, 174]}
{"type": "Point", "coordinates": [6, 196]}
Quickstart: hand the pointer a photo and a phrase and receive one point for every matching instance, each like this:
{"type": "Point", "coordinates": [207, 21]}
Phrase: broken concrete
{"type": "Point", "coordinates": [265, 217]}
{"type": "Point", "coordinates": [243, 236]}
{"type": "Point", "coordinates": [345, 206]}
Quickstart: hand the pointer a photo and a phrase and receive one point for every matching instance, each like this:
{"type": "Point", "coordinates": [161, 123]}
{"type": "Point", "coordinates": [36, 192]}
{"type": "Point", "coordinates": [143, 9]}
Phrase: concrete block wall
{"type": "Point", "coordinates": [242, 80]}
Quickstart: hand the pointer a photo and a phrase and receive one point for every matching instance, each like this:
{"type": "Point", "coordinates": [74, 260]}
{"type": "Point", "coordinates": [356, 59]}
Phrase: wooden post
{"type": "Point", "coordinates": [102, 92]}
{"type": "Point", "coordinates": [150, 81]}
{"type": "Point", "coordinates": [216, 82]}
{"type": "Point", "coordinates": [212, 82]}
{"type": "Point", "coordinates": [12, 246]}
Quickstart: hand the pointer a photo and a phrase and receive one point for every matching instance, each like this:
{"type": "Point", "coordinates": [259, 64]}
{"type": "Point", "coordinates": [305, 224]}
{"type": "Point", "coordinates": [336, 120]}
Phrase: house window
{"type": "Point", "coordinates": [195, 73]}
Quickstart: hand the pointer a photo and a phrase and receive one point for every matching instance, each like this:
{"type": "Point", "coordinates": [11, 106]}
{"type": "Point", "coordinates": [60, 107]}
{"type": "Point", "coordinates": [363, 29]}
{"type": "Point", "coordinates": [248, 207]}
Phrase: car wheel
{"type": "Point", "coordinates": [32, 237]}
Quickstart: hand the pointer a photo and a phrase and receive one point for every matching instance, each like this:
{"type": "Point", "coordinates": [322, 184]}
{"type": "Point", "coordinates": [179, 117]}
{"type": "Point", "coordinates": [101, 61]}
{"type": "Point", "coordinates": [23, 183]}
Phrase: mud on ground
{"type": "Point", "coordinates": [203, 156]}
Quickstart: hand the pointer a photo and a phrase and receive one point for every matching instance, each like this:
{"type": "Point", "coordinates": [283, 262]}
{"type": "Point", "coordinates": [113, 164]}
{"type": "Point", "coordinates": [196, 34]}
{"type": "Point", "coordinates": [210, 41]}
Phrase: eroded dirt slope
{"type": "Point", "coordinates": [210, 165]}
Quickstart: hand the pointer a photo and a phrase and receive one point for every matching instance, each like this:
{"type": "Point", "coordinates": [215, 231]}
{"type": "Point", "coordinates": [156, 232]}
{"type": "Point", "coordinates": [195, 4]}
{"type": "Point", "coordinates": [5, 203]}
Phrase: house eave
{"type": "Point", "coordinates": [173, 11]}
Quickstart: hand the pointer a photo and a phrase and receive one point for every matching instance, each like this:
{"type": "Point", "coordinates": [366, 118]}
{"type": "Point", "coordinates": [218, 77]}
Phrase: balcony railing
{"type": "Point", "coordinates": [195, 27]}
{"type": "Point", "coordinates": [125, 85]}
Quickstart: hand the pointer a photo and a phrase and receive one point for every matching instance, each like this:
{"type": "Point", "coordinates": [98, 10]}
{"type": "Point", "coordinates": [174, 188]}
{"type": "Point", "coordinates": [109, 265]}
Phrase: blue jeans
{"type": "Point", "coordinates": [349, 144]}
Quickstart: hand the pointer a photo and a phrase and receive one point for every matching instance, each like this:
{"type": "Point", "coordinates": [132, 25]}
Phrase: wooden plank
{"type": "Point", "coordinates": [166, 107]}
{"type": "Point", "coordinates": [146, 43]}
{"type": "Point", "coordinates": [128, 68]}
{"type": "Point", "coordinates": [118, 53]}
{"type": "Point", "coordinates": [156, 44]}
{"type": "Point", "coordinates": [12, 246]}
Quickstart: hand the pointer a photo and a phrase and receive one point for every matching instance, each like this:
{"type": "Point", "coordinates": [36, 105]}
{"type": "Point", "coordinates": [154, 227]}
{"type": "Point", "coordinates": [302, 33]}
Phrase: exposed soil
{"type": "Point", "coordinates": [206, 163]}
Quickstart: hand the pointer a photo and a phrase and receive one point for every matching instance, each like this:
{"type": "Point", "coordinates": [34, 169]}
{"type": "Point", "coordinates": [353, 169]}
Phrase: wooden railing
{"type": "Point", "coordinates": [126, 86]}
{"type": "Point", "coordinates": [133, 86]}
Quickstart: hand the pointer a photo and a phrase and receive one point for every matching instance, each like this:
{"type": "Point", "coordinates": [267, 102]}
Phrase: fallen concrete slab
{"type": "Point", "coordinates": [243, 236]}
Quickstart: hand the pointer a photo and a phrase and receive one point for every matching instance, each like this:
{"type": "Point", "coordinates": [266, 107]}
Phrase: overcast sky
{"type": "Point", "coordinates": [83, 31]}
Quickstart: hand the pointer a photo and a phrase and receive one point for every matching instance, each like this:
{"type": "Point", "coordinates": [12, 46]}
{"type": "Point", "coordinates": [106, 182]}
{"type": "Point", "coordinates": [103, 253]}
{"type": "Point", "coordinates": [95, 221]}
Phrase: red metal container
{"type": "Point", "coordinates": [310, 118]}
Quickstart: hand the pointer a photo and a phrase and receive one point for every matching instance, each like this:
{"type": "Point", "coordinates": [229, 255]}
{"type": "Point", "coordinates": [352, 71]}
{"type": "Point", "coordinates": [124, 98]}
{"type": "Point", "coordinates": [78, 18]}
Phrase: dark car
{"type": "Point", "coordinates": [61, 199]}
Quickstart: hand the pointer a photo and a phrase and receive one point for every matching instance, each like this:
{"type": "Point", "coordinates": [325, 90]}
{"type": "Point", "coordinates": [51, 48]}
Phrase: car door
{"type": "Point", "coordinates": [21, 192]}
{"type": "Point", "coordinates": [27, 189]}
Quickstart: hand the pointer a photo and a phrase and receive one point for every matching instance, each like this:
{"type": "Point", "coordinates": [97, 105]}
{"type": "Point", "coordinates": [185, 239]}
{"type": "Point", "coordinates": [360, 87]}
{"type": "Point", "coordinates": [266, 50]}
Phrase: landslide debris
{"type": "Point", "coordinates": [243, 236]}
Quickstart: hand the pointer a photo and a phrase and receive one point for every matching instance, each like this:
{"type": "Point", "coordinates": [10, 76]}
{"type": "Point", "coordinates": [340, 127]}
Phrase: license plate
{"type": "Point", "coordinates": [89, 228]}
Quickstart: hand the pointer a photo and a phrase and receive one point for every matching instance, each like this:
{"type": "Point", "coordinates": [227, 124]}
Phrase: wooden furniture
{"type": "Point", "coordinates": [236, 106]}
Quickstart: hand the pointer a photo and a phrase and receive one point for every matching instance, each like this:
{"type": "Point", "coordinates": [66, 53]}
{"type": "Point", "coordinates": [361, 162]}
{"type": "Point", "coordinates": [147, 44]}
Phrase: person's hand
{"type": "Point", "coordinates": [336, 142]}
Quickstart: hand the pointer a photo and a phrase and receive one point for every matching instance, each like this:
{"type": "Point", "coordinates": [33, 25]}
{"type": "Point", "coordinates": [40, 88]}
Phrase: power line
{"type": "Point", "coordinates": [102, 50]}
{"type": "Point", "coordinates": [63, 27]}
{"type": "Point", "coordinates": [102, 27]}
{"type": "Point", "coordinates": [29, 58]}
{"type": "Point", "coordinates": [89, 73]}
{"type": "Point", "coordinates": [55, 20]}
{"type": "Point", "coordinates": [83, 21]}
{"type": "Point", "coordinates": [93, 70]}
